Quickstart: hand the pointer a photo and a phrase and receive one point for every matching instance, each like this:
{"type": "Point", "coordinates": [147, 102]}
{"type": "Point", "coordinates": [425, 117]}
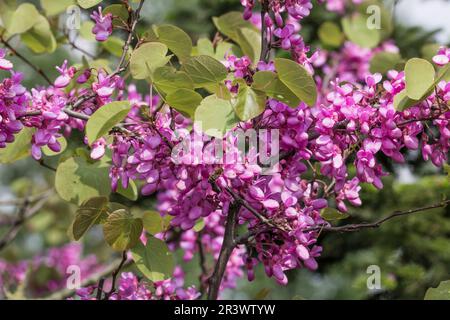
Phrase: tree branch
{"type": "Point", "coordinates": [134, 20]}
{"type": "Point", "coordinates": [265, 44]}
{"type": "Point", "coordinates": [228, 246]}
{"type": "Point", "coordinates": [378, 223]}
{"type": "Point", "coordinates": [25, 212]}
{"type": "Point", "coordinates": [115, 274]}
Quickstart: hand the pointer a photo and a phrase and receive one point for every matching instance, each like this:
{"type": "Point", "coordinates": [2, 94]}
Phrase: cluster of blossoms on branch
{"type": "Point", "coordinates": [131, 288]}
{"type": "Point", "coordinates": [353, 124]}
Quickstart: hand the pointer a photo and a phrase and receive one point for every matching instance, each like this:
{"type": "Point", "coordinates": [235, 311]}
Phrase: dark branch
{"type": "Point", "coordinates": [228, 246]}
{"type": "Point", "coordinates": [378, 223]}
{"type": "Point", "coordinates": [25, 212]}
{"type": "Point", "coordinates": [115, 274]}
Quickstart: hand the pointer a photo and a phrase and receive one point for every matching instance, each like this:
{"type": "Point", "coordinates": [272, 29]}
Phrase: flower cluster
{"type": "Point", "coordinates": [13, 104]}
{"type": "Point", "coordinates": [130, 288]}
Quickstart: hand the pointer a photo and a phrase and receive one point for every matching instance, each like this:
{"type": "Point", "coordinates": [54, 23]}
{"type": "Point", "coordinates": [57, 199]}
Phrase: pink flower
{"type": "Point", "coordinates": [4, 64]}
{"type": "Point", "coordinates": [103, 25]}
{"type": "Point", "coordinates": [66, 75]}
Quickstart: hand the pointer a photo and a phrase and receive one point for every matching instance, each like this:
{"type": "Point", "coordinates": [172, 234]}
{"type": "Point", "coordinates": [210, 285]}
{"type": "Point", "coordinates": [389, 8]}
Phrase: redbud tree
{"type": "Point", "coordinates": [250, 145]}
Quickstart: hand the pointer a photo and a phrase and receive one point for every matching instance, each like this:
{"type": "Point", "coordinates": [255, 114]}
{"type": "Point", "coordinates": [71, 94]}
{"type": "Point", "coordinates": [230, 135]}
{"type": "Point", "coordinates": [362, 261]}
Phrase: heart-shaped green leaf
{"type": "Point", "coordinates": [147, 58]}
{"type": "Point", "coordinates": [154, 260]}
{"type": "Point", "coordinates": [204, 70]}
{"type": "Point", "coordinates": [215, 116]}
{"type": "Point", "coordinates": [249, 103]}
{"type": "Point", "coordinates": [297, 79]}
{"type": "Point", "coordinates": [175, 39]}
{"type": "Point", "coordinates": [154, 223]}
{"type": "Point", "coordinates": [268, 82]}
{"type": "Point", "coordinates": [88, 214]}
{"type": "Point", "coordinates": [419, 75]}
{"type": "Point", "coordinates": [77, 180]}
{"type": "Point", "coordinates": [105, 118]}
{"type": "Point", "coordinates": [185, 101]}
{"type": "Point", "coordinates": [122, 230]}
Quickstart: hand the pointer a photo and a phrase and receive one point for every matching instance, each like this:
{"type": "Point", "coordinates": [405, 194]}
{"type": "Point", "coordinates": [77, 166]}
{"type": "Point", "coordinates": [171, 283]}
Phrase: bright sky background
{"type": "Point", "coordinates": [430, 14]}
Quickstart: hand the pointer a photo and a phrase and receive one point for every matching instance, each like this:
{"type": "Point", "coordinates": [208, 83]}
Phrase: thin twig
{"type": "Point", "coordinates": [228, 246]}
{"type": "Point", "coordinates": [25, 60]}
{"type": "Point", "coordinates": [115, 274]}
{"type": "Point", "coordinates": [135, 19]}
{"type": "Point", "coordinates": [378, 223]}
{"type": "Point", "coordinates": [101, 282]}
{"type": "Point", "coordinates": [25, 212]}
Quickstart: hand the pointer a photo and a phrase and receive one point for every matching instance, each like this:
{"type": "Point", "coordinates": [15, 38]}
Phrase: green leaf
{"type": "Point", "coordinates": [185, 101]}
{"type": "Point", "coordinates": [250, 42]}
{"type": "Point", "coordinates": [147, 58]}
{"type": "Point", "coordinates": [154, 223]}
{"type": "Point", "coordinates": [100, 63]}
{"type": "Point", "coordinates": [206, 48]}
{"type": "Point", "coordinates": [169, 80]}
{"type": "Point", "coordinates": [121, 230]}
{"type": "Point", "coordinates": [382, 62]}
{"type": "Point", "coordinates": [443, 74]}
{"type": "Point", "coordinates": [249, 103]}
{"type": "Point", "coordinates": [386, 21]}
{"type": "Point", "coordinates": [23, 19]}
{"type": "Point", "coordinates": [86, 4]}
{"type": "Point", "coordinates": [88, 214]}
{"type": "Point", "coordinates": [204, 70]}
{"type": "Point", "coordinates": [419, 74]}
{"type": "Point", "coordinates": [154, 260]}
{"type": "Point", "coordinates": [220, 90]}
{"type": "Point", "coordinates": [224, 48]}
{"type": "Point", "coordinates": [52, 7]}
{"type": "Point", "coordinates": [331, 214]}
{"type": "Point", "coordinates": [77, 180]}
{"type": "Point", "coordinates": [268, 82]}
{"type": "Point", "coordinates": [40, 38]}
{"type": "Point", "coordinates": [199, 225]}
{"type": "Point", "coordinates": [429, 50]}
{"type": "Point", "coordinates": [356, 30]}
{"type": "Point", "coordinates": [18, 149]}
{"type": "Point", "coordinates": [215, 116]}
{"type": "Point", "coordinates": [7, 9]}
{"type": "Point", "coordinates": [86, 30]}
{"type": "Point", "coordinates": [402, 101]}
{"type": "Point", "coordinates": [442, 292]}
{"type": "Point", "coordinates": [447, 171]}
{"type": "Point", "coordinates": [105, 118]}
{"type": "Point", "coordinates": [175, 39]}
{"type": "Point", "coordinates": [230, 23]}
{"type": "Point", "coordinates": [297, 79]}
{"type": "Point", "coordinates": [50, 153]}
{"type": "Point", "coordinates": [119, 12]}
{"type": "Point", "coordinates": [114, 45]}
{"type": "Point", "coordinates": [330, 34]}
{"type": "Point", "coordinates": [131, 192]}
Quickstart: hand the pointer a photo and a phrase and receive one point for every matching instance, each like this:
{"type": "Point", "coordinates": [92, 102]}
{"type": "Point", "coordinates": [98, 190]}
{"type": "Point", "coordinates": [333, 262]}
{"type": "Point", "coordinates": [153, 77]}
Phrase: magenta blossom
{"type": "Point", "coordinates": [4, 64]}
{"type": "Point", "coordinates": [103, 25]}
